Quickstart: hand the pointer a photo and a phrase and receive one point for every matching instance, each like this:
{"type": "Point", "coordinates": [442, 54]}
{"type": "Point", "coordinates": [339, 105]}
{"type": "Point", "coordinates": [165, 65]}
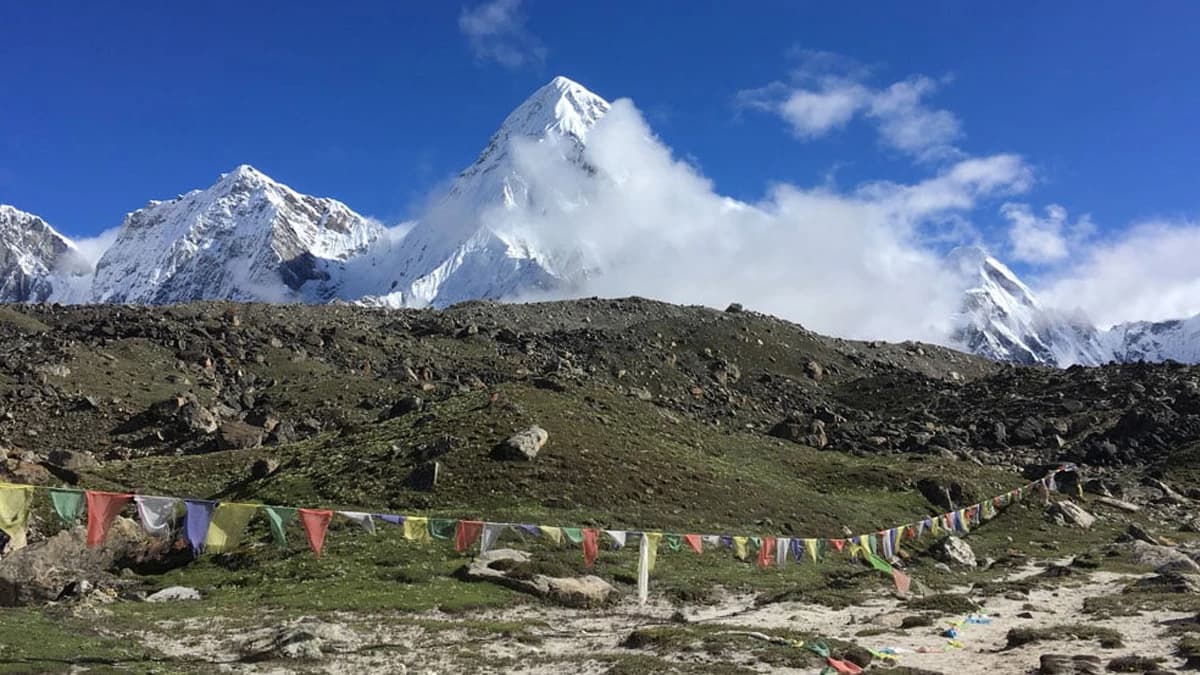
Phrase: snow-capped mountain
{"type": "Point", "coordinates": [1002, 319]}
{"type": "Point", "coordinates": [36, 262]}
{"type": "Point", "coordinates": [459, 251]}
{"type": "Point", "coordinates": [245, 238]}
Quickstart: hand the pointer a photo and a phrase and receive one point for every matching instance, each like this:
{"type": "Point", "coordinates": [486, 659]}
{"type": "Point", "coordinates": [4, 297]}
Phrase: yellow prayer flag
{"type": "Point", "coordinates": [739, 548]}
{"type": "Point", "coordinates": [652, 539]}
{"type": "Point", "coordinates": [416, 528]}
{"type": "Point", "coordinates": [554, 534]}
{"type": "Point", "coordinates": [15, 501]}
{"type": "Point", "coordinates": [810, 545]}
{"type": "Point", "coordinates": [227, 526]}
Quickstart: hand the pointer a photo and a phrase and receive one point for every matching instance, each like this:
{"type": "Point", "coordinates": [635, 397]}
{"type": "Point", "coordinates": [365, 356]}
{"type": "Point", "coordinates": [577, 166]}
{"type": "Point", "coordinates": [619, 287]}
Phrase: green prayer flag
{"type": "Point", "coordinates": [442, 528]}
{"type": "Point", "coordinates": [674, 542]}
{"type": "Point", "coordinates": [755, 543]}
{"type": "Point", "coordinates": [68, 504]}
{"type": "Point", "coordinates": [279, 518]}
{"type": "Point", "coordinates": [878, 564]}
{"type": "Point", "coordinates": [573, 534]}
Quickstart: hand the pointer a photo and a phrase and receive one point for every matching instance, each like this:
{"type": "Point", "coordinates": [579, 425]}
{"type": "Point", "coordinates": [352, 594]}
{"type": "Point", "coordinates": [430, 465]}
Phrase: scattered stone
{"type": "Point", "coordinates": [1119, 504]}
{"type": "Point", "coordinates": [404, 406]}
{"type": "Point", "coordinates": [523, 445]}
{"type": "Point", "coordinates": [174, 594]}
{"type": "Point", "coordinates": [71, 460]}
{"type": "Point", "coordinates": [954, 551]}
{"type": "Point", "coordinates": [1136, 532]}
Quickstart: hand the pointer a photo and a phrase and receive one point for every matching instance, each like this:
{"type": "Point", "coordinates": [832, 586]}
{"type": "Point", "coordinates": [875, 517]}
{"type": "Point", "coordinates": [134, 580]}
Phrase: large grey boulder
{"type": "Point", "coordinates": [1070, 513]}
{"type": "Point", "coordinates": [1161, 558]}
{"type": "Point", "coordinates": [955, 551]}
{"type": "Point", "coordinates": [44, 571]}
{"type": "Point", "coordinates": [585, 591]}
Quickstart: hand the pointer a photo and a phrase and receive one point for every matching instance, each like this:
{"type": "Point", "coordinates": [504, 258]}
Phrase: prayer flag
{"type": "Point", "coordinates": [416, 528]}
{"type": "Point", "coordinates": [227, 525]}
{"type": "Point", "coordinates": [442, 528]}
{"type": "Point", "coordinates": [694, 542]}
{"type": "Point", "coordinates": [782, 546]}
{"type": "Point", "coordinates": [466, 533]}
{"type": "Point", "coordinates": [68, 504]}
{"type": "Point", "coordinates": [157, 514]}
{"type": "Point", "coordinates": [739, 547]}
{"type": "Point", "coordinates": [647, 552]}
{"type": "Point", "coordinates": [618, 538]}
{"type": "Point", "coordinates": [554, 534]}
{"type": "Point", "coordinates": [364, 520]}
{"type": "Point", "coordinates": [591, 548]}
{"type": "Point", "coordinates": [766, 551]}
{"type": "Point", "coordinates": [573, 535]}
{"type": "Point", "coordinates": [15, 501]}
{"type": "Point", "coordinates": [279, 517]}
{"type": "Point", "coordinates": [197, 514]}
{"type": "Point", "coordinates": [491, 534]}
{"type": "Point", "coordinates": [102, 507]}
{"type": "Point", "coordinates": [315, 522]}
{"type": "Point", "coordinates": [810, 545]}
{"type": "Point", "coordinates": [673, 541]}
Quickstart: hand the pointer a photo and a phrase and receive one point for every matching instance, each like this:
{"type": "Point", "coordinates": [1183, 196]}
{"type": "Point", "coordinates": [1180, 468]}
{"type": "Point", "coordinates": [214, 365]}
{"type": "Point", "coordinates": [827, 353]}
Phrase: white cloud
{"type": "Point", "coordinates": [87, 253]}
{"type": "Point", "coordinates": [828, 91]}
{"type": "Point", "coordinates": [850, 263]}
{"type": "Point", "coordinates": [1043, 239]}
{"type": "Point", "coordinates": [496, 32]}
{"type": "Point", "coordinates": [1147, 274]}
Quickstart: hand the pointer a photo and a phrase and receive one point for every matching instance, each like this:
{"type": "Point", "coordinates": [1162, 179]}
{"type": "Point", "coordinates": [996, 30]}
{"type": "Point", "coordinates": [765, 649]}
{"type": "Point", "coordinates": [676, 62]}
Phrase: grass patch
{"type": "Point", "coordinates": [46, 641]}
{"type": "Point", "coordinates": [944, 603]}
{"type": "Point", "coordinates": [1107, 637]}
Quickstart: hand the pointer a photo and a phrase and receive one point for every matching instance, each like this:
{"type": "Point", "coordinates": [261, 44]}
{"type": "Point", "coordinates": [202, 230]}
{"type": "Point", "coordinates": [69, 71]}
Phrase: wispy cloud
{"type": "Point", "coordinates": [1043, 239]}
{"type": "Point", "coordinates": [496, 32]}
{"type": "Point", "coordinates": [826, 91]}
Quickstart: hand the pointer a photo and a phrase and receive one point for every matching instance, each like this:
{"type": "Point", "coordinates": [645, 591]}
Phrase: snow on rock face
{"type": "Point", "coordinates": [454, 254]}
{"type": "Point", "coordinates": [245, 238]}
{"type": "Point", "coordinates": [1002, 319]}
{"type": "Point", "coordinates": [32, 257]}
{"type": "Point", "coordinates": [1155, 341]}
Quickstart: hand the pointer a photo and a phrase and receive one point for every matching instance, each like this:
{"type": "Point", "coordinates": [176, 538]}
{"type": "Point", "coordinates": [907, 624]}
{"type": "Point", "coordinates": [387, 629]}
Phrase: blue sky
{"type": "Point", "coordinates": [108, 104]}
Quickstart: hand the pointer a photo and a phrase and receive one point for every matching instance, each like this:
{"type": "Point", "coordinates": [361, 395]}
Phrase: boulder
{"type": "Point", "coordinates": [174, 594]}
{"type": "Point", "coordinates": [235, 435]}
{"type": "Point", "coordinates": [71, 460]}
{"type": "Point", "coordinates": [1167, 582]}
{"type": "Point", "coordinates": [43, 571]}
{"type": "Point", "coordinates": [1059, 664]}
{"type": "Point", "coordinates": [523, 445]}
{"type": "Point", "coordinates": [954, 551]}
{"type": "Point", "coordinates": [814, 371]}
{"type": "Point", "coordinates": [306, 638]}
{"type": "Point", "coordinates": [1070, 513]}
{"type": "Point", "coordinates": [1161, 558]}
{"type": "Point", "coordinates": [586, 591]}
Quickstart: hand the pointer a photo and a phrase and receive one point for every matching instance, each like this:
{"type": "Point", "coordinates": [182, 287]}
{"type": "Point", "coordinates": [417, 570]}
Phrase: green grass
{"type": "Point", "coordinates": [49, 641]}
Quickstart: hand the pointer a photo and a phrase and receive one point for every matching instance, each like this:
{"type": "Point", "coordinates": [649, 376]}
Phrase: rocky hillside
{"type": "Point", "coordinates": [117, 383]}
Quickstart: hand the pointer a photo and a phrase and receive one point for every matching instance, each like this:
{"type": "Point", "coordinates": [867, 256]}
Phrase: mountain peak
{"type": "Point", "coordinates": [561, 107]}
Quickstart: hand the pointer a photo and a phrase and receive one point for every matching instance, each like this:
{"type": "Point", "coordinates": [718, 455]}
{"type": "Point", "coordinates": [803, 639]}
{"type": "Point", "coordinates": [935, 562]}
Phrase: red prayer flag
{"type": "Point", "coordinates": [910, 532]}
{"type": "Point", "coordinates": [902, 581]}
{"type": "Point", "coordinates": [838, 544]}
{"type": "Point", "coordinates": [315, 522]}
{"type": "Point", "coordinates": [102, 507]}
{"type": "Point", "coordinates": [693, 542]}
{"type": "Point", "coordinates": [466, 533]}
{"type": "Point", "coordinates": [591, 547]}
{"type": "Point", "coordinates": [766, 552]}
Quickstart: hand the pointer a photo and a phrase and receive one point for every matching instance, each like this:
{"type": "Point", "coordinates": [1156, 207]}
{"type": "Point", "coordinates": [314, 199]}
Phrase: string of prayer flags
{"type": "Point", "coordinates": [364, 520]}
{"type": "Point", "coordinates": [591, 547]}
{"type": "Point", "coordinates": [442, 528]}
{"type": "Point", "coordinates": [227, 525]}
{"type": "Point", "coordinates": [278, 517]}
{"type": "Point", "coordinates": [490, 535]}
{"type": "Point", "coordinates": [15, 501]}
{"type": "Point", "coordinates": [102, 507]}
{"type": "Point", "coordinates": [466, 533]}
{"type": "Point", "coordinates": [315, 522]}
{"type": "Point", "coordinates": [197, 514]}
{"type": "Point", "coordinates": [68, 504]}
{"type": "Point", "coordinates": [157, 514]}
{"type": "Point", "coordinates": [416, 528]}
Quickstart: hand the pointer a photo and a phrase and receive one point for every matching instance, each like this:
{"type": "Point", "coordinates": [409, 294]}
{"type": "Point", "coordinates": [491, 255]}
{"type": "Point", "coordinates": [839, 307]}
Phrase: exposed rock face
{"type": "Point", "coordinates": [35, 260]}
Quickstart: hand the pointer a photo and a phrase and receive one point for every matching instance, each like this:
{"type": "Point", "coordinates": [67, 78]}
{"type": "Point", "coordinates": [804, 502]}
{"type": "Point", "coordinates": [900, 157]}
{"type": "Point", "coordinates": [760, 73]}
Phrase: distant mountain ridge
{"type": "Point", "coordinates": [250, 238]}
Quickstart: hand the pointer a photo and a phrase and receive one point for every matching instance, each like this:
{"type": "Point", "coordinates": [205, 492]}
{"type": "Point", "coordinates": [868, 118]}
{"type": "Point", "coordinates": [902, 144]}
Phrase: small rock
{"type": "Point", "coordinates": [174, 594]}
{"type": "Point", "coordinates": [523, 445]}
{"type": "Point", "coordinates": [814, 371]}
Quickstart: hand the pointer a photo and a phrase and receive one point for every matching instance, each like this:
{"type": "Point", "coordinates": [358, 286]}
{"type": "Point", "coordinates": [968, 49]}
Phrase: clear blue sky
{"type": "Point", "coordinates": [108, 104]}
